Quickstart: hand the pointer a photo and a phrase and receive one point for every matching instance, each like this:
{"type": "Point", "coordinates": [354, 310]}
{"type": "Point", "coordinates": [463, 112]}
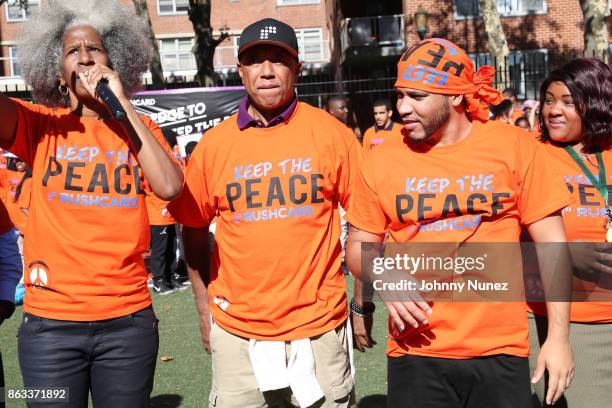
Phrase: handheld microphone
{"type": "Point", "coordinates": [110, 100]}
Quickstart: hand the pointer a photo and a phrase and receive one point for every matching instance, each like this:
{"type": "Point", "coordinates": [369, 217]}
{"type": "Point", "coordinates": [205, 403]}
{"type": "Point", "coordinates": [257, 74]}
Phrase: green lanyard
{"type": "Point", "coordinates": [601, 184]}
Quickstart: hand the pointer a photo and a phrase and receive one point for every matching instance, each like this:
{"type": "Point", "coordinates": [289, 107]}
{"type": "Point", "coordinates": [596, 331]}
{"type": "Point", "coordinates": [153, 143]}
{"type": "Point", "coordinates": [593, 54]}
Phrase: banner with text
{"type": "Point", "coordinates": [182, 112]}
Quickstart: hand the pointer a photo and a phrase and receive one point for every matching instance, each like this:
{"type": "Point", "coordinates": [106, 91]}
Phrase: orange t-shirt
{"type": "Point", "coordinates": [4, 178]}
{"type": "Point", "coordinates": [515, 114]}
{"type": "Point", "coordinates": [276, 269]}
{"type": "Point", "coordinates": [24, 198]}
{"type": "Point", "coordinates": [584, 220]}
{"type": "Point", "coordinates": [372, 138]}
{"type": "Point", "coordinates": [157, 210]}
{"type": "Point", "coordinates": [17, 216]}
{"type": "Point", "coordinates": [87, 224]}
{"type": "Point", "coordinates": [480, 189]}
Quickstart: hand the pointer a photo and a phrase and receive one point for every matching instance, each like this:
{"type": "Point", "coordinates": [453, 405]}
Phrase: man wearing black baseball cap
{"type": "Point", "coordinates": [269, 31]}
{"type": "Point", "coordinates": [274, 176]}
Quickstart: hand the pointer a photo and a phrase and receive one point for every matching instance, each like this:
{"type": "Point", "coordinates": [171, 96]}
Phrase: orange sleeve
{"type": "Point", "coordinates": [194, 207]}
{"type": "Point", "coordinates": [366, 212]}
{"type": "Point", "coordinates": [541, 188]}
{"type": "Point", "coordinates": [30, 124]}
{"type": "Point", "coordinates": [159, 135]}
{"type": "Point", "coordinates": [161, 139]}
{"type": "Point", "coordinates": [348, 172]}
{"type": "Point", "coordinates": [156, 207]}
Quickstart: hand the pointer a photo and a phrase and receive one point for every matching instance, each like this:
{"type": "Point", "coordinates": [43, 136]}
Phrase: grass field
{"type": "Point", "coordinates": [185, 380]}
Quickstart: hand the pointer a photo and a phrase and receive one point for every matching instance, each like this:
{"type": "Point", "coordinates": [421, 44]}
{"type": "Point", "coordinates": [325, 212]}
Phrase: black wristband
{"type": "Point", "coordinates": [366, 310]}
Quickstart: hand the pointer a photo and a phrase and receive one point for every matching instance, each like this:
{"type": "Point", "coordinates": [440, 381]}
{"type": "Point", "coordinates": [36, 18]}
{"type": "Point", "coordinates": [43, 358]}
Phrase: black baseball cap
{"type": "Point", "coordinates": [269, 31]}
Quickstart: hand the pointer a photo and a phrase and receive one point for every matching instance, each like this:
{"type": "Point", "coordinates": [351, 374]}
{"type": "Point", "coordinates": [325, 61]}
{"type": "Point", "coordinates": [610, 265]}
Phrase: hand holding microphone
{"type": "Point", "coordinates": [98, 85]}
{"type": "Point", "coordinates": [111, 101]}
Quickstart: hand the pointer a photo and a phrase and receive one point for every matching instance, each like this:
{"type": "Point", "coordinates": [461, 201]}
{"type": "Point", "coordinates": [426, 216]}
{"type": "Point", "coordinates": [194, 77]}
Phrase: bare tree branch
{"type": "Point", "coordinates": [204, 42]}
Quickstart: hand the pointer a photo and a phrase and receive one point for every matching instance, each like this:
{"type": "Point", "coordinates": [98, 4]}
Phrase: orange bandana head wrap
{"type": "Point", "coordinates": [438, 66]}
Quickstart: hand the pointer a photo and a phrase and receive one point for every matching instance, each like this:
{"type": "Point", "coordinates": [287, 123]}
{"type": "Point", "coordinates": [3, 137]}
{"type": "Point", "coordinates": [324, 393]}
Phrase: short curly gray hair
{"type": "Point", "coordinates": [42, 39]}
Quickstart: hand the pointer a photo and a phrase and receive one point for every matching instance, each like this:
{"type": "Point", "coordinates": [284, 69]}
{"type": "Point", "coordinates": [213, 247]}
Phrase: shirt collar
{"type": "Point", "coordinates": [245, 120]}
{"type": "Point", "coordinates": [387, 128]}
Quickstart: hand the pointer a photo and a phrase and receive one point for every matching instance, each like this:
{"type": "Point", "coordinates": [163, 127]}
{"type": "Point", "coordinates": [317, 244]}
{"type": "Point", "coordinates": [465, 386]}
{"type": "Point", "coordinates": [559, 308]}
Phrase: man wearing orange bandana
{"type": "Point", "coordinates": [457, 178]}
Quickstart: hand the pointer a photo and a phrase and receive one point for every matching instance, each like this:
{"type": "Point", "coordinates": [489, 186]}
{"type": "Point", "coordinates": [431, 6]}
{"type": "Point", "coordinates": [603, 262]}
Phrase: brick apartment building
{"type": "Point", "coordinates": [540, 33]}
{"type": "Point", "coordinates": [357, 37]}
{"type": "Point", "coordinates": [174, 32]}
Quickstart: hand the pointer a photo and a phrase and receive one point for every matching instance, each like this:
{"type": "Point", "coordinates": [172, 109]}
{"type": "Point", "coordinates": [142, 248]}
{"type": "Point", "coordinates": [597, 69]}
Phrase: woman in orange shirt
{"type": "Point", "coordinates": [88, 323]}
{"type": "Point", "coordinates": [576, 123]}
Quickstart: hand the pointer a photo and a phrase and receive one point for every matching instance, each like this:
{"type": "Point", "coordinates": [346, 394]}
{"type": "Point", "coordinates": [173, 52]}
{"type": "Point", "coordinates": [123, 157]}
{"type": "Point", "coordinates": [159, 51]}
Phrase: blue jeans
{"type": "Point", "coordinates": [11, 267]}
{"type": "Point", "coordinates": [114, 359]}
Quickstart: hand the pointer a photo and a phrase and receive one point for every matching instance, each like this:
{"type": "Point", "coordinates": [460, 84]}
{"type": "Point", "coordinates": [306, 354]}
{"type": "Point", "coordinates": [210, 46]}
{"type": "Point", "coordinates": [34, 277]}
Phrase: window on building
{"type": "Point", "coordinates": [467, 8]}
{"type": "Point", "coordinates": [525, 70]}
{"type": "Point", "coordinates": [505, 8]}
{"type": "Point", "coordinates": [236, 45]}
{"type": "Point", "coordinates": [310, 44]}
{"type": "Point", "coordinates": [176, 55]}
{"type": "Point", "coordinates": [296, 2]}
{"type": "Point", "coordinates": [226, 54]}
{"type": "Point", "coordinates": [520, 7]}
{"type": "Point", "coordinates": [13, 61]}
{"type": "Point", "coordinates": [14, 11]}
{"type": "Point", "coordinates": [172, 6]}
